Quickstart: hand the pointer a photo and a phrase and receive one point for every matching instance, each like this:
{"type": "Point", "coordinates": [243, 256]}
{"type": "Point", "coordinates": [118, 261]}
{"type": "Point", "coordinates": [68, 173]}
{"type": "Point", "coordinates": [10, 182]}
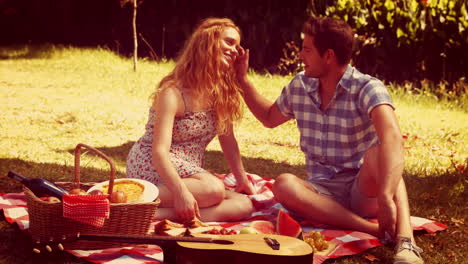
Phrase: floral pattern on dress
{"type": "Point", "coordinates": [191, 133]}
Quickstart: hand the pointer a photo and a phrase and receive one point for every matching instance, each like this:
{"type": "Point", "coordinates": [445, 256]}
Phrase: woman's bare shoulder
{"type": "Point", "coordinates": [168, 96]}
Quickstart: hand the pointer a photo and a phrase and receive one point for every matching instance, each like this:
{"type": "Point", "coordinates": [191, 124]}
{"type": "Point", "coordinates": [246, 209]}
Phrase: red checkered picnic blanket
{"type": "Point", "coordinates": [343, 242]}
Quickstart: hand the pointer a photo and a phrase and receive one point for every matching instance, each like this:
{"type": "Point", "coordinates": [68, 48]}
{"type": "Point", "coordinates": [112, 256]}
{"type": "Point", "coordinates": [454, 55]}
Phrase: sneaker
{"type": "Point", "coordinates": [407, 252]}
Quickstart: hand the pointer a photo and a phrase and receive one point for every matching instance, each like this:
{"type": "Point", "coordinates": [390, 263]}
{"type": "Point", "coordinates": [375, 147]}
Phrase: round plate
{"type": "Point", "coordinates": [150, 191]}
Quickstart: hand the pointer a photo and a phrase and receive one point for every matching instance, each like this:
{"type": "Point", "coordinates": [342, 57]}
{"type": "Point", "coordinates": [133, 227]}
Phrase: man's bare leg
{"type": "Point", "coordinates": [367, 186]}
{"type": "Point", "coordinates": [297, 195]}
{"type": "Point", "coordinates": [403, 227]}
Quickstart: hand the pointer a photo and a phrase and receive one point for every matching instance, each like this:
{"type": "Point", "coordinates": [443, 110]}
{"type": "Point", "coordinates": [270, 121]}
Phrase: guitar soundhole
{"type": "Point", "coordinates": [222, 242]}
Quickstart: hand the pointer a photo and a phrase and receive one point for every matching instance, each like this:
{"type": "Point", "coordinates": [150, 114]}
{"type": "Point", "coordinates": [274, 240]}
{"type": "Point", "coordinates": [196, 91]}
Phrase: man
{"type": "Point", "coordinates": [350, 137]}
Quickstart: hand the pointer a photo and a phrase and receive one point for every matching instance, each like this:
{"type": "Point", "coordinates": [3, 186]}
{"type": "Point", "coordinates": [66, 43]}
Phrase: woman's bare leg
{"type": "Point", "coordinates": [234, 207]}
{"type": "Point", "coordinates": [216, 203]}
{"type": "Point", "coordinates": [207, 189]}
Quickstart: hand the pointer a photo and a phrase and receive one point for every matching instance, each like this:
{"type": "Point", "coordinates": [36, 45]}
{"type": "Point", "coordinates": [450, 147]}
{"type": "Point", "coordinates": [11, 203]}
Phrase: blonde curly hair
{"type": "Point", "coordinates": [199, 68]}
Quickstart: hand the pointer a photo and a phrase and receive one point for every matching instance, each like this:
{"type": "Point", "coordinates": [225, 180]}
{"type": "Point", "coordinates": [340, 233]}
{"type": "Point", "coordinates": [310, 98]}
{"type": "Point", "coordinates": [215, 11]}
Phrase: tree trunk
{"type": "Point", "coordinates": [135, 37]}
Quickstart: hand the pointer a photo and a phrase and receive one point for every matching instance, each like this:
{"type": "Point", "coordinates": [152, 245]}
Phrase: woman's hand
{"type": "Point", "coordinates": [243, 185]}
{"type": "Point", "coordinates": [241, 65]}
{"type": "Point", "coordinates": [185, 206]}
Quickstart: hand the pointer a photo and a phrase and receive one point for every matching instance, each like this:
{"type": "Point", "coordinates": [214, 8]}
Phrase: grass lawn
{"type": "Point", "coordinates": [52, 98]}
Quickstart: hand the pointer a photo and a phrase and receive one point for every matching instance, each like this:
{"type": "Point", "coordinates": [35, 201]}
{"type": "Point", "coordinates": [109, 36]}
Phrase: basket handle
{"type": "Point", "coordinates": [100, 154]}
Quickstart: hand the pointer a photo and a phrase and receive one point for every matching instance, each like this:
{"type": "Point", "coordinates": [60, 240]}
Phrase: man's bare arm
{"type": "Point", "coordinates": [265, 111]}
{"type": "Point", "coordinates": [390, 165]}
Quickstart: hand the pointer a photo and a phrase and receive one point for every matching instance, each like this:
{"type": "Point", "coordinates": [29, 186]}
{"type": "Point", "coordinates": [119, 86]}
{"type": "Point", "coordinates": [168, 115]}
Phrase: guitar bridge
{"type": "Point", "coordinates": [273, 243]}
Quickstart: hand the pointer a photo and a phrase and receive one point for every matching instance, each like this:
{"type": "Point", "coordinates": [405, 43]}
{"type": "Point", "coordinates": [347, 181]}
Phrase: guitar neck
{"type": "Point", "coordinates": [143, 239]}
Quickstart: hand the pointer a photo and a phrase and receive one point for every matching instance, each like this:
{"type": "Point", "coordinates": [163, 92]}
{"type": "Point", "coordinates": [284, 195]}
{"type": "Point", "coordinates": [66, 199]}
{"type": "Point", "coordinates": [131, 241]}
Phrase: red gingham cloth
{"type": "Point", "coordinates": [88, 209]}
{"type": "Point", "coordinates": [344, 242]}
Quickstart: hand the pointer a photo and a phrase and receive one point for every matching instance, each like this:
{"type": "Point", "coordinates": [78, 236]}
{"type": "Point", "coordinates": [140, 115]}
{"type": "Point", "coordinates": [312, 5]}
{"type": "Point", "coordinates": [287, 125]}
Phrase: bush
{"type": "Point", "coordinates": [406, 40]}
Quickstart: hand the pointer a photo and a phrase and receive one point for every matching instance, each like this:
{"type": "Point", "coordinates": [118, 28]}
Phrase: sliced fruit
{"type": "Point", "coordinates": [195, 222]}
{"type": "Point", "coordinates": [248, 230]}
{"type": "Point", "coordinates": [174, 232]}
{"type": "Point", "coordinates": [263, 227]}
{"type": "Point", "coordinates": [200, 230]}
{"type": "Point", "coordinates": [287, 226]}
{"type": "Point", "coordinates": [165, 225]}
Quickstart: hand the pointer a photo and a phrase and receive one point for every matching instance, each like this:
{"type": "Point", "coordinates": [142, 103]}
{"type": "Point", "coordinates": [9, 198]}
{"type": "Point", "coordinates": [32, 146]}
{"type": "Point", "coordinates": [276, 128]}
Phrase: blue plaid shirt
{"type": "Point", "coordinates": [335, 140]}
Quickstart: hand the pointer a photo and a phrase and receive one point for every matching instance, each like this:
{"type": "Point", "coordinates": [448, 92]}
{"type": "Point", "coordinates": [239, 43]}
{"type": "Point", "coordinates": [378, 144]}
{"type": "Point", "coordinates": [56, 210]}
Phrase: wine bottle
{"type": "Point", "coordinates": [40, 187]}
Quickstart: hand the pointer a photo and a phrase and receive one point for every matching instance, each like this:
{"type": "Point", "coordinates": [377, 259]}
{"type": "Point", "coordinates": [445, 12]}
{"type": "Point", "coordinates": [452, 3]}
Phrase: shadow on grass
{"type": "Point", "coordinates": [430, 197]}
{"type": "Point", "coordinates": [438, 197]}
{"type": "Point", "coordinates": [214, 162]}
{"type": "Point", "coordinates": [39, 51]}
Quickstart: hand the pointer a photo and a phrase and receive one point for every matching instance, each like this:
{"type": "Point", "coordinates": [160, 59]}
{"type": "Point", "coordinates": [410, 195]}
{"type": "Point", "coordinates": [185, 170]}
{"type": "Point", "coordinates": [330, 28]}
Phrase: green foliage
{"type": "Point", "coordinates": [289, 62]}
{"type": "Point", "coordinates": [407, 40]}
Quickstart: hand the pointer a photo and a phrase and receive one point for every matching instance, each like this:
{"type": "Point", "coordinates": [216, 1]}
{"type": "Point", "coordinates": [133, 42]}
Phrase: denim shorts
{"type": "Point", "coordinates": [344, 189]}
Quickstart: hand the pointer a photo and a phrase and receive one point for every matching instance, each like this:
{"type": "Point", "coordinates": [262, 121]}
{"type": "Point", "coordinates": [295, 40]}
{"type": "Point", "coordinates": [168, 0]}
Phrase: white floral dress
{"type": "Point", "coordinates": [191, 133]}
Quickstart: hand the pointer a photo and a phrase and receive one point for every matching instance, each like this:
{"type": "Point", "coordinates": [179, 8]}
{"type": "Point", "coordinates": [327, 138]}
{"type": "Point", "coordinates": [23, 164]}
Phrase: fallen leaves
{"type": "Point", "coordinates": [460, 168]}
{"type": "Point", "coordinates": [370, 257]}
{"type": "Point", "coordinates": [457, 221]}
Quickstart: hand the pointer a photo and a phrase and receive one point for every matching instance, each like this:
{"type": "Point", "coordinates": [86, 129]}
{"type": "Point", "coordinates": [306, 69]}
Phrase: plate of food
{"type": "Point", "coordinates": [135, 190]}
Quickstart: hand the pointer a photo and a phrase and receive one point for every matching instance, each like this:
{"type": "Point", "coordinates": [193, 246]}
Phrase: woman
{"type": "Point", "coordinates": [198, 100]}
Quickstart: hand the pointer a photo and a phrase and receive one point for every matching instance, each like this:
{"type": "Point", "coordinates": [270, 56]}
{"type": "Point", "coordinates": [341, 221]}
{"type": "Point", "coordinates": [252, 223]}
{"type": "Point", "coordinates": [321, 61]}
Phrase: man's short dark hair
{"type": "Point", "coordinates": [331, 33]}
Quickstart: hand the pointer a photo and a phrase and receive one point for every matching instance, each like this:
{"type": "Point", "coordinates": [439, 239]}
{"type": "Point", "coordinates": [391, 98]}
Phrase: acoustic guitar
{"type": "Point", "coordinates": [211, 249]}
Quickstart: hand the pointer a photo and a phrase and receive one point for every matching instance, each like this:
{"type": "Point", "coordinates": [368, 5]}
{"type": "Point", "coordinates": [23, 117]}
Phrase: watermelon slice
{"type": "Point", "coordinates": [287, 226]}
{"type": "Point", "coordinates": [263, 227]}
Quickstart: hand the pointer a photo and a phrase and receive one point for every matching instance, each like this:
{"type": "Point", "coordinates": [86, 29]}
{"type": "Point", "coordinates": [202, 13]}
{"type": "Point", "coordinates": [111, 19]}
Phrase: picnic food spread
{"type": "Point", "coordinates": [287, 226]}
{"type": "Point", "coordinates": [316, 241]}
{"type": "Point", "coordinates": [134, 190]}
{"type": "Point", "coordinates": [195, 226]}
{"type": "Point", "coordinates": [169, 228]}
{"type": "Point", "coordinates": [131, 188]}
{"type": "Point", "coordinates": [118, 196]}
{"type": "Point", "coordinates": [263, 227]}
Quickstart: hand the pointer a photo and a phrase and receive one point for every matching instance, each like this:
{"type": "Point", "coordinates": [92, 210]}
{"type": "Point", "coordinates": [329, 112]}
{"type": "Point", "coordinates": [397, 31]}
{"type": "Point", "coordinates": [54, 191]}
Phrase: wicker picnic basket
{"type": "Point", "coordinates": [46, 221]}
